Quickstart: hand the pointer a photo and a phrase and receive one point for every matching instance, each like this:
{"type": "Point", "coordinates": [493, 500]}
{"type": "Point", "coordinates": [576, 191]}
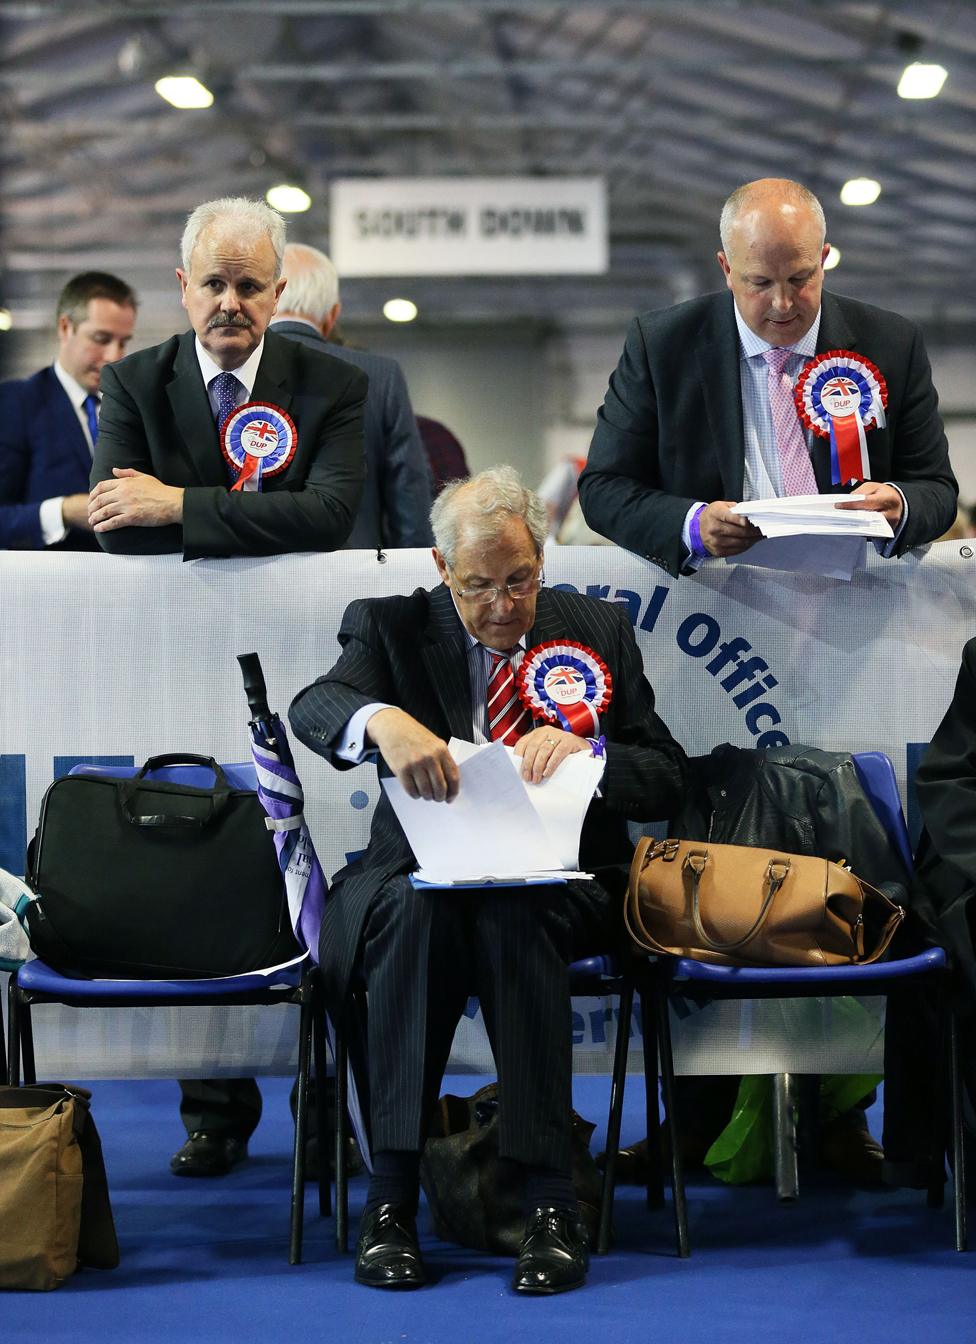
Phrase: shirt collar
{"type": "Point", "coordinates": [77, 394]}
{"type": "Point", "coordinates": [294, 321]}
{"type": "Point", "coordinates": [752, 344]}
{"type": "Point", "coordinates": [246, 374]}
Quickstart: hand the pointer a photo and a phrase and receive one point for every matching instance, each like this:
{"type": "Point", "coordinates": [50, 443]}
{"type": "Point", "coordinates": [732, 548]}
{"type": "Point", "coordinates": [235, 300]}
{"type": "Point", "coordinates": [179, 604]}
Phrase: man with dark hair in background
{"type": "Point", "coordinates": [49, 422]}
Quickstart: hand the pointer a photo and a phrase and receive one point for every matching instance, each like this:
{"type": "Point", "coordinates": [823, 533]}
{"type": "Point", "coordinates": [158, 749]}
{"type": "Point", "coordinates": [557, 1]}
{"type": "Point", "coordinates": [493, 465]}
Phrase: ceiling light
{"type": "Point", "coordinates": [6, 321]}
{"type": "Point", "coordinates": [832, 258]}
{"type": "Point", "coordinates": [860, 191]}
{"type": "Point", "coordinates": [184, 91]}
{"type": "Point", "coordinates": [290, 200]}
{"type": "Point", "coordinates": [399, 310]}
{"type": "Point", "coordinates": [921, 81]}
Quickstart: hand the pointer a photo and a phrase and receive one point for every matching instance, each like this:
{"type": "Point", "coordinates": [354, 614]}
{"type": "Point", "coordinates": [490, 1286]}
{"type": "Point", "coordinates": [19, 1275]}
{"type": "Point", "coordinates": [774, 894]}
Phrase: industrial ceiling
{"type": "Point", "coordinates": [674, 104]}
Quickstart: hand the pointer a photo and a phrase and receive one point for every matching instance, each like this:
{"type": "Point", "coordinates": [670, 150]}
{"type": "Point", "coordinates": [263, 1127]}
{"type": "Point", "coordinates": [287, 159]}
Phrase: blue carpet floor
{"type": "Point", "coordinates": [207, 1261]}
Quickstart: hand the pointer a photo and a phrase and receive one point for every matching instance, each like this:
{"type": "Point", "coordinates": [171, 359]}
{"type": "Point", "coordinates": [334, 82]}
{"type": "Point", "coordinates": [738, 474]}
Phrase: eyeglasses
{"type": "Point", "coordinates": [483, 597]}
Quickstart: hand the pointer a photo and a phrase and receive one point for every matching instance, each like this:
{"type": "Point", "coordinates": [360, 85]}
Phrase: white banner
{"type": "Point", "coordinates": [469, 226]}
{"type": "Point", "coordinates": [123, 658]}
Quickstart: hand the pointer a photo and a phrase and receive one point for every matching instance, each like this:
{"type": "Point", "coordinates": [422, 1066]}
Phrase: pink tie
{"type": "Point", "coordinates": [794, 458]}
{"type": "Point", "coordinates": [507, 717]}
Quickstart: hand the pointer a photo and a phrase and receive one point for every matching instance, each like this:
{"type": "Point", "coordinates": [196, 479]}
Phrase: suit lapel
{"type": "Point", "coordinates": [717, 356]}
{"type": "Point", "coordinates": [270, 385]}
{"type": "Point", "coordinates": [445, 656]}
{"type": "Point", "coordinates": [194, 418]}
{"type": "Point", "coordinates": [61, 421]}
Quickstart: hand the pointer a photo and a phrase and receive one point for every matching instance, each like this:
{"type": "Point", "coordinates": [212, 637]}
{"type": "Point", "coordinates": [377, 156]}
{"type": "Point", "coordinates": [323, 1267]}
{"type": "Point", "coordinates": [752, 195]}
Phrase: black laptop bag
{"type": "Point", "coordinates": [140, 878]}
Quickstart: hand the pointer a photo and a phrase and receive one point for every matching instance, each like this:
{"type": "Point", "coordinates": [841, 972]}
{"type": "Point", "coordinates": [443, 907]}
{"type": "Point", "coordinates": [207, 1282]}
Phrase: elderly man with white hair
{"type": "Point", "coordinates": [229, 439]}
{"type": "Point", "coordinates": [413, 672]}
{"type": "Point", "coordinates": [397, 493]}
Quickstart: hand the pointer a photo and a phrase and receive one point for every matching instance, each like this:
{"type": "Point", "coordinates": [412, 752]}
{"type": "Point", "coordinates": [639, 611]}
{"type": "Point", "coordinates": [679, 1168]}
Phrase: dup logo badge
{"type": "Point", "coordinates": [565, 683]}
{"type": "Point", "coordinates": [258, 440]}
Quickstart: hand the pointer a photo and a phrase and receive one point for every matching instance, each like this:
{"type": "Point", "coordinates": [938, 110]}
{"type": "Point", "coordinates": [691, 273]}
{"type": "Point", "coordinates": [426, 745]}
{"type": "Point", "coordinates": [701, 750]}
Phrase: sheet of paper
{"type": "Point", "coordinates": [498, 826]}
{"type": "Point", "coordinates": [487, 830]}
{"type": "Point", "coordinates": [835, 557]}
{"type": "Point", "coordinates": [560, 801]}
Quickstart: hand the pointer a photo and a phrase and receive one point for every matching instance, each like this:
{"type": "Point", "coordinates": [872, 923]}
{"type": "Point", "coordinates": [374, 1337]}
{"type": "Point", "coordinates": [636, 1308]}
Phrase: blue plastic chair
{"type": "Point", "coordinates": [665, 977]}
{"type": "Point", "coordinates": [36, 982]}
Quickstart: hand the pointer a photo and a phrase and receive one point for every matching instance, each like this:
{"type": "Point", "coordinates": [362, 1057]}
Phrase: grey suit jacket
{"type": "Point", "coordinates": [670, 429]}
{"type": "Point", "coordinates": [412, 652]}
{"type": "Point", "coordinates": [156, 417]}
{"type": "Point", "coordinates": [396, 500]}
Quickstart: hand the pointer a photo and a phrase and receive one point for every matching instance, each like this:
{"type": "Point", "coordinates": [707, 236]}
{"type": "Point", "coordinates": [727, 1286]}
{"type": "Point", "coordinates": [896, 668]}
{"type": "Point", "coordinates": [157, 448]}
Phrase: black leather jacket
{"type": "Point", "coordinates": [794, 798]}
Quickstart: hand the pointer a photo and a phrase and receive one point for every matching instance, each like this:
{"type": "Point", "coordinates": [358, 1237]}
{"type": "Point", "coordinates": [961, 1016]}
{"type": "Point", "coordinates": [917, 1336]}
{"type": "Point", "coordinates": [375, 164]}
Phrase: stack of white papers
{"type": "Point", "coordinates": [805, 534]}
{"type": "Point", "coordinates": [499, 829]}
{"type": "Point", "coordinates": [813, 515]}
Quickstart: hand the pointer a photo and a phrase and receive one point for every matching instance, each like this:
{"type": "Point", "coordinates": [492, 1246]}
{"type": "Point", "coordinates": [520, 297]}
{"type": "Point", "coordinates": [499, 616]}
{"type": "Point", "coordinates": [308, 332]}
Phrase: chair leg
{"type": "Point", "coordinates": [617, 1084]}
{"type": "Point", "coordinates": [26, 1035]}
{"type": "Point", "coordinates": [323, 1124]}
{"type": "Point", "coordinates": [662, 1012]}
{"type": "Point", "coordinates": [652, 1109]}
{"type": "Point", "coordinates": [301, 1119]}
{"type": "Point", "coordinates": [13, 1038]}
{"type": "Point", "coordinates": [958, 1143]}
{"type": "Point", "coordinates": [784, 1138]}
{"type": "Point", "coordinates": [4, 1068]}
{"type": "Point", "coordinates": [341, 1054]}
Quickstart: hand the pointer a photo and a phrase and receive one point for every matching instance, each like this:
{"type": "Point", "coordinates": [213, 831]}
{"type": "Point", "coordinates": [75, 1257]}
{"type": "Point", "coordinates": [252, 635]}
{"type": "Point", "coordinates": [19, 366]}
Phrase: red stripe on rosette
{"type": "Point", "coordinates": [848, 442]}
{"type": "Point", "coordinates": [250, 466]}
{"type": "Point", "coordinates": [581, 718]}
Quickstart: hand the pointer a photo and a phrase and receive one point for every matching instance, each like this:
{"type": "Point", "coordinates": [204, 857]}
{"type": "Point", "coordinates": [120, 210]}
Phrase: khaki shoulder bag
{"type": "Point", "coordinates": [740, 906]}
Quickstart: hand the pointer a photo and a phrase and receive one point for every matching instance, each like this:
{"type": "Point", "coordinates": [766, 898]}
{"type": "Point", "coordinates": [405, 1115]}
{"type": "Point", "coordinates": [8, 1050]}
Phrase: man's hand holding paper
{"type": "Point", "coordinates": [419, 759]}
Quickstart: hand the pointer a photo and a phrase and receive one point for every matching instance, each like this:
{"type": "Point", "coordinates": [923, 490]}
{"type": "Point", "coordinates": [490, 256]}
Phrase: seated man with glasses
{"type": "Point", "coordinates": [413, 672]}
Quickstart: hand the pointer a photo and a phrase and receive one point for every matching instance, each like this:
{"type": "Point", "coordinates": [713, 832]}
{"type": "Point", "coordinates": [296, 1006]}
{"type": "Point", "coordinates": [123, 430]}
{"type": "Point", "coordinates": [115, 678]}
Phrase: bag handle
{"type": "Point", "coordinates": [174, 820]}
{"type": "Point", "coordinates": [777, 871]}
{"type": "Point", "coordinates": [647, 850]}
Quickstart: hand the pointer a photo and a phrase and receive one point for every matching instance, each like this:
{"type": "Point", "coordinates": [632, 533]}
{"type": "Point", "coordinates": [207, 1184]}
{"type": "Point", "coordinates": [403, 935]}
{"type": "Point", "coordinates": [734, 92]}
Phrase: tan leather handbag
{"type": "Point", "coordinates": [740, 906]}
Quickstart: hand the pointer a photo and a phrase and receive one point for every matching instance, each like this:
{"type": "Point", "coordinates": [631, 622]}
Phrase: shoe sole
{"type": "Point", "coordinates": [546, 1292]}
{"type": "Point", "coordinates": [390, 1283]}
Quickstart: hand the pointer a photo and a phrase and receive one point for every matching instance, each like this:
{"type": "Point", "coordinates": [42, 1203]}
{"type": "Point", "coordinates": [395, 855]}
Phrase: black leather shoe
{"type": "Point", "coordinates": [208, 1154]}
{"type": "Point", "coordinates": [553, 1256]}
{"type": "Point", "coordinates": [388, 1255]}
{"type": "Point", "coordinates": [848, 1148]}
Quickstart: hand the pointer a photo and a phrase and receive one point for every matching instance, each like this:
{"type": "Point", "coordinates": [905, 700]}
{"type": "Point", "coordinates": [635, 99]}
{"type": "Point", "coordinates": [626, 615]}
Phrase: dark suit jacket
{"type": "Point", "coordinates": [394, 509]}
{"type": "Point", "coordinates": [156, 417]}
{"type": "Point", "coordinates": [670, 429]}
{"type": "Point", "coordinates": [944, 894]}
{"type": "Point", "coordinates": [412, 652]}
{"type": "Point", "coordinates": [43, 454]}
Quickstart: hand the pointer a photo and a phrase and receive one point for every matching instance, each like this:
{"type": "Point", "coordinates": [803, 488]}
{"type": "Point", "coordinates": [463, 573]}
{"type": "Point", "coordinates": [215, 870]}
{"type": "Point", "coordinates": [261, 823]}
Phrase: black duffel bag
{"type": "Point", "coordinates": [145, 879]}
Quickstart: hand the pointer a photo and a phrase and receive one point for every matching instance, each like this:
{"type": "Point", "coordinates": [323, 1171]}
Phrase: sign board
{"type": "Point", "coordinates": [469, 226]}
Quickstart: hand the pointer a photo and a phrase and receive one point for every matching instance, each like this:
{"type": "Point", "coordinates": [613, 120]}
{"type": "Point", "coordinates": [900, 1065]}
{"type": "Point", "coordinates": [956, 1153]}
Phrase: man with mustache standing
{"type": "Point", "coordinates": [228, 440]}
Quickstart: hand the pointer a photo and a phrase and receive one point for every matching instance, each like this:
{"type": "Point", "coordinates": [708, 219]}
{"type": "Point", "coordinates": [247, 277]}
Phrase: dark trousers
{"type": "Point", "coordinates": [424, 952]}
{"type": "Point", "coordinates": [221, 1105]}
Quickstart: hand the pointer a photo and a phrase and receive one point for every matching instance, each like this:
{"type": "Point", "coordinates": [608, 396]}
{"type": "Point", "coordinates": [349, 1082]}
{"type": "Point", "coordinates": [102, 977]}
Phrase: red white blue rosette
{"type": "Point", "coordinates": [567, 684]}
{"type": "Point", "coordinates": [259, 439]}
{"type": "Point", "coordinates": [840, 395]}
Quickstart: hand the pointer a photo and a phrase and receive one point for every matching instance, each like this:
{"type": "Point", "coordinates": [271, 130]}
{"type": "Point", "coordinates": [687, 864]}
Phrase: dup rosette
{"type": "Point", "coordinates": [839, 396]}
{"type": "Point", "coordinates": [565, 683]}
{"type": "Point", "coordinates": [258, 439]}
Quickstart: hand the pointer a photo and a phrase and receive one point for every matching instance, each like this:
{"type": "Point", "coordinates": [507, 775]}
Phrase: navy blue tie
{"type": "Point", "coordinates": [228, 390]}
{"type": "Point", "coordinates": [90, 407]}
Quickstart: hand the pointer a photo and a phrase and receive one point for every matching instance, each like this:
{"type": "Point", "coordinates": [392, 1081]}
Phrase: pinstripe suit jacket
{"type": "Point", "coordinates": [412, 652]}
